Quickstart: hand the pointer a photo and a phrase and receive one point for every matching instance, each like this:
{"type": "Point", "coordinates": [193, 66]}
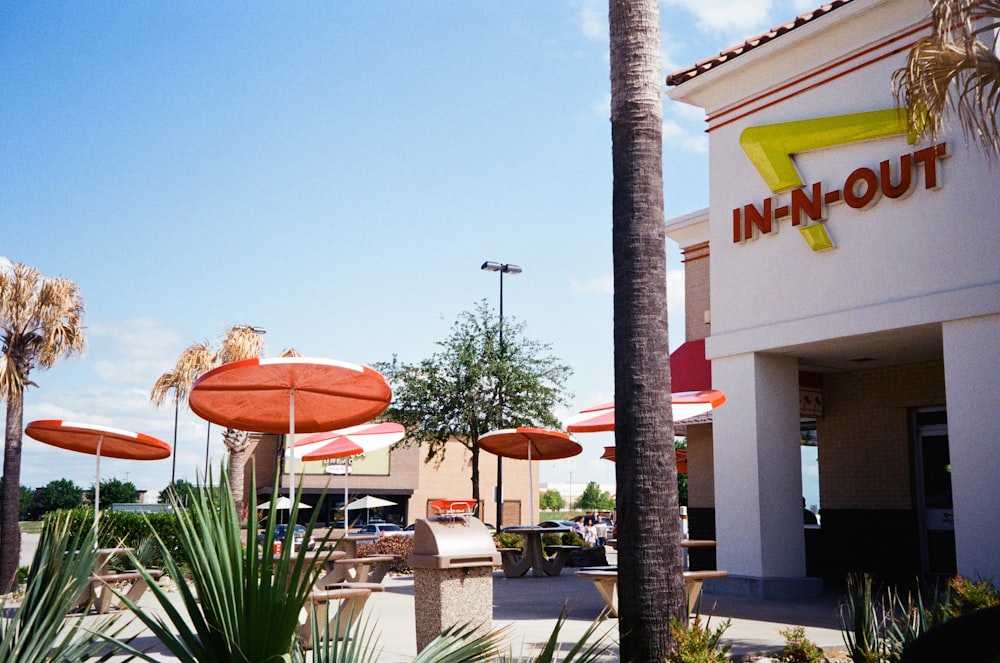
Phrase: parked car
{"type": "Point", "coordinates": [557, 523]}
{"type": "Point", "coordinates": [298, 536]}
{"type": "Point", "coordinates": [384, 529]}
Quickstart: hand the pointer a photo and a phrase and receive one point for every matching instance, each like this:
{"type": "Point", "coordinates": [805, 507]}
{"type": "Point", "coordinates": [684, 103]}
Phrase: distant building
{"type": "Point", "coordinates": [400, 476]}
{"type": "Point", "coordinates": [846, 287]}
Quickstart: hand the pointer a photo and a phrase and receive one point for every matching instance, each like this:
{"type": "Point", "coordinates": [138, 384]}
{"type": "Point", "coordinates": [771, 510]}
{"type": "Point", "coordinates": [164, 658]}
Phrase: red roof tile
{"type": "Point", "coordinates": [700, 67]}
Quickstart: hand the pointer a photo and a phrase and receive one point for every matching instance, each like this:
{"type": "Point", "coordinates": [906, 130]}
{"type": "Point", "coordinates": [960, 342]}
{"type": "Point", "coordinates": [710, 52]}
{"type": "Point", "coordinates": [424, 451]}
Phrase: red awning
{"type": "Point", "coordinates": [689, 370]}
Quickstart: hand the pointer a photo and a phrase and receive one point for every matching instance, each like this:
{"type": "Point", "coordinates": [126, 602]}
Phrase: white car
{"type": "Point", "coordinates": [384, 529]}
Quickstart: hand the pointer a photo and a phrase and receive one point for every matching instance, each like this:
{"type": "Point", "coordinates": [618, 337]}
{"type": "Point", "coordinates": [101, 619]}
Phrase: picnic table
{"type": "Point", "coordinates": [605, 579]}
{"type": "Point", "coordinates": [517, 562]}
{"type": "Point", "coordinates": [100, 593]}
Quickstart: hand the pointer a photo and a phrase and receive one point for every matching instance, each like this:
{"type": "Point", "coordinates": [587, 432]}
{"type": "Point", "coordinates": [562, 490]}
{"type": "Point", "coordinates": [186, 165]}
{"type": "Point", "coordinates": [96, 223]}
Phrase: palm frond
{"type": "Point", "coordinates": [241, 342]}
{"type": "Point", "coordinates": [955, 70]}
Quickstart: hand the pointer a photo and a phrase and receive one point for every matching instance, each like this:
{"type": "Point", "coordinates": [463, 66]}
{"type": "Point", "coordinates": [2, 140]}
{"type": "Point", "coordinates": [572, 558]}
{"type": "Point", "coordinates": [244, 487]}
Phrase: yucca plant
{"type": "Point", "coordinates": [582, 651]}
{"type": "Point", "coordinates": [239, 606]}
{"type": "Point", "coordinates": [38, 629]}
{"type": "Point", "coordinates": [244, 609]}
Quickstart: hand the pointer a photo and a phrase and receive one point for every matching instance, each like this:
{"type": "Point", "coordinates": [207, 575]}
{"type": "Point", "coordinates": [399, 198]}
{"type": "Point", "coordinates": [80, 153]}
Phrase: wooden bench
{"type": "Point", "coordinates": [104, 588]}
{"type": "Point", "coordinates": [606, 581]}
{"type": "Point", "coordinates": [359, 569]}
{"type": "Point", "coordinates": [317, 607]}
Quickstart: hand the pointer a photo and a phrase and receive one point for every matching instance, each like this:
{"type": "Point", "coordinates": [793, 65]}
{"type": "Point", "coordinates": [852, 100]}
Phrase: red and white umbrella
{"type": "Point", "coordinates": [347, 442]}
{"type": "Point", "coordinates": [98, 441]}
{"type": "Point", "coordinates": [682, 458]}
{"type": "Point", "coordinates": [276, 395]}
{"type": "Point", "coordinates": [685, 404]}
{"type": "Point", "coordinates": [530, 444]}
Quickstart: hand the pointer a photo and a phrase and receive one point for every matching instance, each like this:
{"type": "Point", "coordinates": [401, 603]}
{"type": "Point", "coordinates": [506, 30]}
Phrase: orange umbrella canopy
{"type": "Point", "coordinates": [530, 443]}
{"type": "Point", "coordinates": [685, 404]}
{"type": "Point", "coordinates": [93, 439]}
{"type": "Point", "coordinates": [257, 395]}
{"type": "Point", "coordinates": [682, 458]}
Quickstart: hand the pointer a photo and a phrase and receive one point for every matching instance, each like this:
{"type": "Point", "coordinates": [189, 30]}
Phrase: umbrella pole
{"type": "Point", "coordinates": [97, 488]}
{"type": "Point", "coordinates": [531, 489]}
{"type": "Point", "coordinates": [291, 459]}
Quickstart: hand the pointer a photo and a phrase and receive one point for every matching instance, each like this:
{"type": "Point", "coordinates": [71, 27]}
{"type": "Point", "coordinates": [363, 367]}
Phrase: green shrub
{"type": "Point", "coordinates": [574, 539]}
{"type": "Point", "coordinates": [798, 648]}
{"type": "Point", "coordinates": [401, 546]}
{"type": "Point", "coordinates": [696, 643]}
{"type": "Point", "coordinates": [505, 540]}
{"type": "Point", "coordinates": [553, 539]}
{"type": "Point", "coordinates": [966, 596]}
{"type": "Point", "coordinates": [128, 529]}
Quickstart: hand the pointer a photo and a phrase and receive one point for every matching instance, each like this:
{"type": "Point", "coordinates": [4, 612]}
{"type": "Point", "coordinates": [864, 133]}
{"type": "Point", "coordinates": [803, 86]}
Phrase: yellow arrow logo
{"type": "Point", "coordinates": [770, 147]}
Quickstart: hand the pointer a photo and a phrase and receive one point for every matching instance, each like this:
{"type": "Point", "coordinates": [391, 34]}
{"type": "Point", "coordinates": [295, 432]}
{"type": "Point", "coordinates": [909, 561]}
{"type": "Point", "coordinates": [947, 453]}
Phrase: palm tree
{"type": "Point", "coordinates": [956, 66]}
{"type": "Point", "coordinates": [40, 322]}
{"type": "Point", "coordinates": [651, 585]}
{"type": "Point", "coordinates": [240, 342]}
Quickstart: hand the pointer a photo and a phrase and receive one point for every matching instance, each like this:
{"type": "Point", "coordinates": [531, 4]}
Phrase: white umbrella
{"type": "Point", "coordinates": [367, 502]}
{"type": "Point", "coordinates": [281, 503]}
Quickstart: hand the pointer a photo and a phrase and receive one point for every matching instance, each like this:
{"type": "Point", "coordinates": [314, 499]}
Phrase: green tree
{"type": "Point", "coordinates": [651, 588]}
{"type": "Point", "coordinates": [956, 66]}
{"type": "Point", "coordinates": [40, 323]}
{"type": "Point", "coordinates": [182, 490]}
{"type": "Point", "coordinates": [551, 500]}
{"type": "Point", "coordinates": [115, 491]}
{"type": "Point", "coordinates": [456, 393]}
{"type": "Point", "coordinates": [26, 505]}
{"type": "Point", "coordinates": [60, 494]}
{"type": "Point", "coordinates": [594, 499]}
{"type": "Point", "coordinates": [239, 342]}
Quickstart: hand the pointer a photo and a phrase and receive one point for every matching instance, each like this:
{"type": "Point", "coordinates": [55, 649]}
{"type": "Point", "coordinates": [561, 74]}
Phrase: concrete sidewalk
{"type": "Point", "coordinates": [529, 607]}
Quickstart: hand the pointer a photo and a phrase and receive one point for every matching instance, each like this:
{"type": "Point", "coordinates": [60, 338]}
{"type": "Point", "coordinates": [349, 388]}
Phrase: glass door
{"type": "Point", "coordinates": [936, 516]}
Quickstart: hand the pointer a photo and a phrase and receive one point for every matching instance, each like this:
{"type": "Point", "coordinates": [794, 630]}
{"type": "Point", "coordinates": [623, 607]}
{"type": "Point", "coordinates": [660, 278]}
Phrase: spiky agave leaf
{"type": "Point", "coordinates": [360, 646]}
{"type": "Point", "coordinates": [239, 607]}
{"type": "Point", "coordinates": [582, 651]}
{"type": "Point", "coordinates": [60, 572]}
{"type": "Point", "coordinates": [462, 643]}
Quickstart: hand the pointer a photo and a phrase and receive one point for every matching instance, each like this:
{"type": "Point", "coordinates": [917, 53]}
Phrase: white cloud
{"type": "Point", "coordinates": [134, 351]}
{"type": "Point", "coordinates": [719, 17]}
{"type": "Point", "coordinates": [677, 136]}
{"type": "Point", "coordinates": [599, 284]}
{"type": "Point", "coordinates": [603, 108]}
{"type": "Point", "coordinates": [594, 20]}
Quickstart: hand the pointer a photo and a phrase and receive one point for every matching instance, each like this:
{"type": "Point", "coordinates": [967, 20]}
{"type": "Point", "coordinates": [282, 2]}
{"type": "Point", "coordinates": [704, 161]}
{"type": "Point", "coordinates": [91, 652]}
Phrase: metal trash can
{"type": "Point", "coordinates": [452, 561]}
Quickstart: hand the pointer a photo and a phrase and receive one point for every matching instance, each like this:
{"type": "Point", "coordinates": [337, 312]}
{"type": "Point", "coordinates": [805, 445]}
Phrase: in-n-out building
{"type": "Point", "coordinates": [846, 283]}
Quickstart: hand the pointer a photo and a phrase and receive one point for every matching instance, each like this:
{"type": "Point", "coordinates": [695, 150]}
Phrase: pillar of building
{"type": "Point", "coordinates": [971, 359]}
{"type": "Point", "coordinates": [758, 478]}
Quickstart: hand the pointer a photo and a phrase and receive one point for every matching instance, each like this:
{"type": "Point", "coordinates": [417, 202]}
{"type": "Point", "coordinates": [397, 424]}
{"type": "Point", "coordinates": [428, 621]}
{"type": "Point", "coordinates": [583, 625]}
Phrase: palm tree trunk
{"type": "Point", "coordinates": [10, 500]}
{"type": "Point", "coordinates": [237, 478]}
{"type": "Point", "coordinates": [237, 443]}
{"type": "Point", "coordinates": [651, 585]}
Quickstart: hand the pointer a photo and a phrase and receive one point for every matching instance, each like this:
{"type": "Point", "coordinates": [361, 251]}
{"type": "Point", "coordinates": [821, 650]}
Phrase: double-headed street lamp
{"type": "Point", "coordinates": [503, 268]}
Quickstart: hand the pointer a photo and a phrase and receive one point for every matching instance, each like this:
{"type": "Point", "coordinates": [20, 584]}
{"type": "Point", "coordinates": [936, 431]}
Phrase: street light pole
{"type": "Point", "coordinates": [503, 268]}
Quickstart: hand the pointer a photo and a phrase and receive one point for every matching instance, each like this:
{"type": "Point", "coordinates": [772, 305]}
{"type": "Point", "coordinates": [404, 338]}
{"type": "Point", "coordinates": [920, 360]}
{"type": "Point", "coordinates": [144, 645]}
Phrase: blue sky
{"type": "Point", "coordinates": [334, 172]}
